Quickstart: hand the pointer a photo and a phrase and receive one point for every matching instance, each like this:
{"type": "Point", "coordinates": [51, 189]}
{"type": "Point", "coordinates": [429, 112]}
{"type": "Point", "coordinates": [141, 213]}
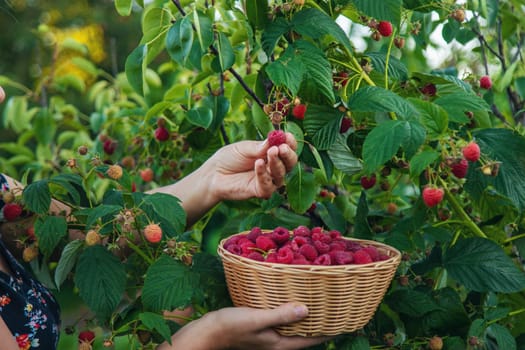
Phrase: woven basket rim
{"type": "Point", "coordinates": [394, 256]}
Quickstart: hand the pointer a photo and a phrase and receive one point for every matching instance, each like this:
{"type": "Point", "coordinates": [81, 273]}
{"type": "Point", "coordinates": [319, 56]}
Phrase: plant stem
{"type": "Point", "coordinates": [467, 221]}
{"type": "Point", "coordinates": [137, 250]}
{"type": "Point", "coordinates": [513, 238]}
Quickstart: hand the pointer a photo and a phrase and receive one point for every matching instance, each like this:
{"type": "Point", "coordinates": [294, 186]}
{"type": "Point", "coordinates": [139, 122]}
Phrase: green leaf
{"type": "Point", "coordinates": [124, 7]}
{"type": "Point", "coordinates": [219, 106]}
{"type": "Point", "coordinates": [396, 69]}
{"type": "Point", "coordinates": [288, 71]}
{"type": "Point", "coordinates": [322, 120]}
{"type": "Point", "coordinates": [180, 40]}
{"type": "Point", "coordinates": [156, 322]}
{"type": "Point", "coordinates": [37, 197]}
{"type": "Point", "coordinates": [67, 260]}
{"type": "Point", "coordinates": [421, 160]}
{"type": "Point", "coordinates": [203, 29]}
{"type": "Point", "coordinates": [101, 279]}
{"type": "Point", "coordinates": [433, 117]}
{"type": "Point", "coordinates": [331, 216]}
{"type": "Point", "coordinates": [301, 189]}
{"type": "Point", "coordinates": [168, 209]}
{"type": "Point", "coordinates": [388, 10]}
{"type": "Point", "coordinates": [503, 336]}
{"type": "Point", "coordinates": [169, 284]}
{"type": "Point", "coordinates": [361, 226]}
{"type": "Point", "coordinates": [134, 68]}
{"type": "Point", "coordinates": [411, 302]}
{"type": "Point", "coordinates": [86, 65]}
{"type": "Point", "coordinates": [376, 99]}
{"type": "Point", "coordinates": [225, 57]}
{"type": "Point", "coordinates": [45, 126]}
{"type": "Point", "coordinates": [100, 211]}
{"type": "Point", "coordinates": [257, 13]}
{"type": "Point", "coordinates": [16, 115]}
{"type": "Point", "coordinates": [482, 265]}
{"type": "Point", "coordinates": [156, 22]}
{"type": "Point", "coordinates": [272, 33]}
{"type": "Point", "coordinates": [200, 116]}
{"type": "Point", "coordinates": [509, 181]}
{"type": "Point", "coordinates": [383, 142]}
{"type": "Point", "coordinates": [458, 103]}
{"type": "Point", "coordinates": [316, 24]}
{"type": "Point", "coordinates": [50, 230]}
{"type": "Point", "coordinates": [342, 157]}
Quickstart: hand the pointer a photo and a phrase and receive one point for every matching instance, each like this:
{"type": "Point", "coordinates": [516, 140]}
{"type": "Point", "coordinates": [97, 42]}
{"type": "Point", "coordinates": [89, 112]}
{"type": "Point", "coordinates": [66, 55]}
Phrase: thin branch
{"type": "Point", "coordinates": [231, 70]}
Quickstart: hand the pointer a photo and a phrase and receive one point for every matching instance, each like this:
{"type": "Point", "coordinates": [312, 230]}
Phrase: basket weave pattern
{"type": "Point", "coordinates": [340, 299]}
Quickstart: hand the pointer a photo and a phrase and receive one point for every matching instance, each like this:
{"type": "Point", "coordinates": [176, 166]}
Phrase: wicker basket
{"type": "Point", "coordinates": [340, 298]}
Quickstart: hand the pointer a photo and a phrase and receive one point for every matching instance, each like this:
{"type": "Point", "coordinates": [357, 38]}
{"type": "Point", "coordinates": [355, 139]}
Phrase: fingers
{"type": "Point", "coordinates": [284, 314]}
{"type": "Point", "coordinates": [264, 186]}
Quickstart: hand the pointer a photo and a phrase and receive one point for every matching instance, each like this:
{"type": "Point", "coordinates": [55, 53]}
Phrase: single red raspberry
{"type": "Point", "coordinates": [459, 168]}
{"type": "Point", "coordinates": [334, 234]}
{"type": "Point", "coordinates": [432, 196]}
{"type": "Point", "coordinates": [280, 235]}
{"type": "Point", "coordinates": [362, 257]}
{"type": "Point", "coordinates": [247, 246]}
{"type": "Point", "coordinates": [346, 123]}
{"type": "Point", "coordinates": [231, 241]}
{"type": "Point", "coordinates": [299, 111]}
{"type": "Point", "coordinates": [255, 256]}
{"type": "Point", "coordinates": [284, 255]}
{"type": "Point", "coordinates": [485, 82]}
{"type": "Point", "coordinates": [234, 249]}
{"type": "Point", "coordinates": [372, 251]}
{"type": "Point", "coordinates": [471, 152]}
{"type": "Point", "coordinates": [86, 337]}
{"type": "Point", "coordinates": [162, 134]}
{"type": "Point", "coordinates": [254, 233]}
{"type": "Point", "coordinates": [308, 251]}
{"type": "Point", "coordinates": [368, 181]}
{"type": "Point", "coordinates": [271, 257]}
{"type": "Point", "coordinates": [12, 211]}
{"type": "Point", "coordinates": [323, 259]}
{"type": "Point", "coordinates": [321, 247]}
{"type": "Point", "coordinates": [301, 231]}
{"type": "Point", "coordinates": [300, 260]}
{"type": "Point", "coordinates": [321, 236]}
{"type": "Point", "coordinates": [337, 245]}
{"type": "Point", "coordinates": [109, 146]}
{"type": "Point", "coordinates": [339, 257]}
{"type": "Point", "coordinates": [435, 343]}
{"type": "Point", "coordinates": [276, 137]}
{"type": "Point", "coordinates": [384, 28]}
{"type": "Point", "coordinates": [429, 90]}
{"type": "Point", "coordinates": [153, 233]}
{"type": "Point", "coordinates": [265, 243]}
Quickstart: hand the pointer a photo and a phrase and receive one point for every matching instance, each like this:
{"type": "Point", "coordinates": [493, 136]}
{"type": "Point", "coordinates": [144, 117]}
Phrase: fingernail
{"type": "Point", "coordinates": [301, 311]}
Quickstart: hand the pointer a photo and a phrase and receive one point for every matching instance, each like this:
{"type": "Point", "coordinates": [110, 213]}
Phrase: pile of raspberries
{"type": "Point", "coordinates": [301, 246]}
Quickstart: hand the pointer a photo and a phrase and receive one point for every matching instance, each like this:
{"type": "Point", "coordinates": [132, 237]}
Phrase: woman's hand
{"type": "Point", "coordinates": [242, 328]}
{"type": "Point", "coordinates": [249, 169]}
{"type": "Point", "coordinates": [238, 171]}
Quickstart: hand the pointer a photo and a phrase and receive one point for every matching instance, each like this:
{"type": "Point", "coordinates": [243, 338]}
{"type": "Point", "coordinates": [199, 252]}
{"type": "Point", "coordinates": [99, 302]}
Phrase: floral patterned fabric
{"type": "Point", "coordinates": [27, 307]}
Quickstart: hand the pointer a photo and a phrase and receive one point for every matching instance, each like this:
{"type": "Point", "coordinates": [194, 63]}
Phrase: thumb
{"type": "Point", "coordinates": [284, 314]}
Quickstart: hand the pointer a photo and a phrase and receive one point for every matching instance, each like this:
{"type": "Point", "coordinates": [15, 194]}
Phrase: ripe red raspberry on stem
{"type": "Point", "coordinates": [86, 337]}
{"type": "Point", "coordinates": [276, 137]}
{"type": "Point", "coordinates": [109, 146]}
{"type": "Point", "coordinates": [471, 152]}
{"type": "Point", "coordinates": [385, 28]}
{"type": "Point", "coordinates": [12, 211]}
{"type": "Point", "coordinates": [368, 181]}
{"type": "Point", "coordinates": [485, 82]}
{"type": "Point", "coordinates": [459, 168]}
{"type": "Point", "coordinates": [432, 196]}
{"type": "Point", "coordinates": [298, 111]}
{"type": "Point", "coordinates": [147, 174]}
{"type": "Point", "coordinates": [162, 134]}
{"type": "Point", "coordinates": [346, 123]}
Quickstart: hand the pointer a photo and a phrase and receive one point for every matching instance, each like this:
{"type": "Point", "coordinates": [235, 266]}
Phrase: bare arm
{"type": "Point", "coordinates": [8, 340]}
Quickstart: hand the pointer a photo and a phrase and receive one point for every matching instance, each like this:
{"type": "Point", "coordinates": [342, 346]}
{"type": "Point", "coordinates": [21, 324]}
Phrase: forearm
{"type": "Point", "coordinates": [194, 192]}
{"type": "Point", "coordinates": [200, 334]}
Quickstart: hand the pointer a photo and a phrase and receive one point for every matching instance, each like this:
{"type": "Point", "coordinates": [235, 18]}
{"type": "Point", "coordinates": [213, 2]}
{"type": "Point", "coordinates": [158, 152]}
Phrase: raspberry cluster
{"type": "Point", "coordinates": [302, 246]}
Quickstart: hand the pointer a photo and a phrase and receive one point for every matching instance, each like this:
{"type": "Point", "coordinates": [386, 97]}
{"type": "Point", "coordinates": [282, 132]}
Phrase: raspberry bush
{"type": "Point", "coordinates": [428, 160]}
